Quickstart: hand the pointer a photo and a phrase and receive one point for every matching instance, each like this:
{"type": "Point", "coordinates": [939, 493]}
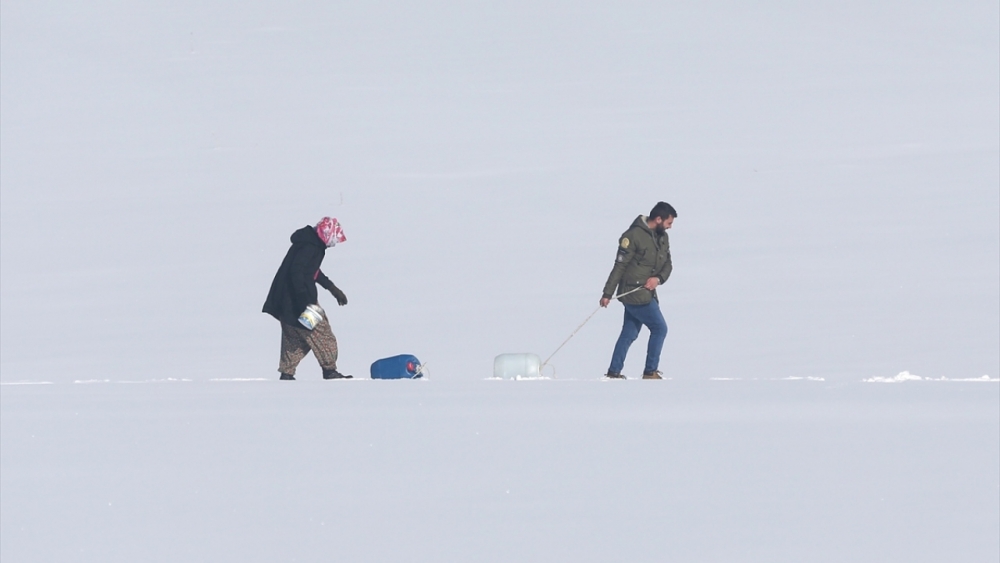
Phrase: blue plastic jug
{"type": "Point", "coordinates": [405, 366]}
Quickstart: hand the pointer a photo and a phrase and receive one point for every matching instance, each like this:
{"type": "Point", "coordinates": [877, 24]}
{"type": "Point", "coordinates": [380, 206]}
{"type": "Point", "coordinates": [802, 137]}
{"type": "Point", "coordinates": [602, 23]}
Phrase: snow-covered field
{"type": "Point", "coordinates": [834, 310]}
{"type": "Point", "coordinates": [777, 471]}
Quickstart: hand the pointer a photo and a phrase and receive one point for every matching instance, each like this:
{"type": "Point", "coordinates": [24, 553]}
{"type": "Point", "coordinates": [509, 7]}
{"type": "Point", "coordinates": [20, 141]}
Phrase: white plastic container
{"type": "Point", "coordinates": [517, 366]}
{"type": "Point", "coordinates": [311, 317]}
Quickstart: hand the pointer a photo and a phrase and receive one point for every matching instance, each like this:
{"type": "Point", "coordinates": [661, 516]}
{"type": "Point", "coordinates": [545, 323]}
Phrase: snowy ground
{"type": "Point", "coordinates": [834, 307]}
{"type": "Point", "coordinates": [768, 471]}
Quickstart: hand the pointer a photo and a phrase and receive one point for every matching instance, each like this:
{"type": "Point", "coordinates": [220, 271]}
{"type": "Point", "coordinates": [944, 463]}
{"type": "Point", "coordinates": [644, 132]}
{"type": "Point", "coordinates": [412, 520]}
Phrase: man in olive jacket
{"type": "Point", "coordinates": [642, 263]}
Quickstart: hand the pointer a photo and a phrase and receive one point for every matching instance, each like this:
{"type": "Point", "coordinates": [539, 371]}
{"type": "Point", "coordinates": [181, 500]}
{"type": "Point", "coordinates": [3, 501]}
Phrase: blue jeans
{"type": "Point", "coordinates": [635, 317]}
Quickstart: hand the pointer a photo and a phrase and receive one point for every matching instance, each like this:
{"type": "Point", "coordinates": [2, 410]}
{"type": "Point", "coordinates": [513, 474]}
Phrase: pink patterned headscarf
{"type": "Point", "coordinates": [330, 231]}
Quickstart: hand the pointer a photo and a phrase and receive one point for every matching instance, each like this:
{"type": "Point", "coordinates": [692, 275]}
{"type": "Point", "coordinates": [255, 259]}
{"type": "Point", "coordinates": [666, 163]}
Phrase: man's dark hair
{"type": "Point", "coordinates": [662, 210]}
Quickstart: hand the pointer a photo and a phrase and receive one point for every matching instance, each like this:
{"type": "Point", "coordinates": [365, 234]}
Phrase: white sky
{"type": "Point", "coordinates": [835, 167]}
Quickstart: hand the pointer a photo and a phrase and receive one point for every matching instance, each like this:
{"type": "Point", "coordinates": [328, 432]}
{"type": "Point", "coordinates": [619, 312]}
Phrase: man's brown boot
{"type": "Point", "coordinates": [613, 375]}
{"type": "Point", "coordinates": [652, 375]}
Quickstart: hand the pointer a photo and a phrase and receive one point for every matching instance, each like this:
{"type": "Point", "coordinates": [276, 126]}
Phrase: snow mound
{"type": "Point", "coordinates": [907, 376]}
{"type": "Point", "coordinates": [900, 377]}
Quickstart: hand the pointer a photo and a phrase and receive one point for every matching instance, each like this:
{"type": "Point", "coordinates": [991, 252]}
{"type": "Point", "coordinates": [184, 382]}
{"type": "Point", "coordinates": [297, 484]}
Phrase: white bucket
{"type": "Point", "coordinates": [311, 317]}
{"type": "Point", "coordinates": [515, 366]}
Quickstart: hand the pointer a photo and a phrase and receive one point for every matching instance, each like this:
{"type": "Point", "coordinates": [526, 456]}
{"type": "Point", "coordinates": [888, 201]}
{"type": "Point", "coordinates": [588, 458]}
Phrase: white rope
{"type": "Point", "coordinates": [585, 321]}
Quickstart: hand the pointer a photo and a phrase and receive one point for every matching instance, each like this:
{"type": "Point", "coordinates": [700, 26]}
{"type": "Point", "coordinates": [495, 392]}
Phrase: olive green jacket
{"type": "Point", "coordinates": [642, 254]}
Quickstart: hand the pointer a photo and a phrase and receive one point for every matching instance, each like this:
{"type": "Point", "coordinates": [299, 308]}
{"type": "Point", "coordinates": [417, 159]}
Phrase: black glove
{"type": "Point", "coordinates": [338, 295]}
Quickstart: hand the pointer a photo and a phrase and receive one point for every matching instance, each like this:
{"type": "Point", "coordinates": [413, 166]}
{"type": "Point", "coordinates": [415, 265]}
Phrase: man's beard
{"type": "Point", "coordinates": [660, 230]}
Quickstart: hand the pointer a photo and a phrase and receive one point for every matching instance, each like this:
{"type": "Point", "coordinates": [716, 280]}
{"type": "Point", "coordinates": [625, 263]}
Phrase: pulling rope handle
{"type": "Point", "coordinates": [546, 362]}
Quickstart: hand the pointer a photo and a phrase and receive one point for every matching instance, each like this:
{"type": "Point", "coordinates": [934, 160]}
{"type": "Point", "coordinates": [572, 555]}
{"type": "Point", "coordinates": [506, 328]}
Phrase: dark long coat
{"type": "Point", "coordinates": [294, 286]}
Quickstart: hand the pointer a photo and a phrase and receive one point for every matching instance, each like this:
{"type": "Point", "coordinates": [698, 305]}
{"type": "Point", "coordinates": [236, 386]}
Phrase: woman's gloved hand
{"type": "Point", "coordinates": [338, 295]}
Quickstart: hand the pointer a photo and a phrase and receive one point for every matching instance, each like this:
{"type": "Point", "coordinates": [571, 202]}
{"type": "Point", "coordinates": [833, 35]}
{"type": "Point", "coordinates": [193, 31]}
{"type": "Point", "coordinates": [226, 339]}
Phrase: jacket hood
{"type": "Point", "coordinates": [641, 221]}
{"type": "Point", "coordinates": [307, 235]}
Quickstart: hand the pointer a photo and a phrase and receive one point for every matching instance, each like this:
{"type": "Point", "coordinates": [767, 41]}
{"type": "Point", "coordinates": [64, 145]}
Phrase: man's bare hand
{"type": "Point", "coordinates": [605, 301]}
{"type": "Point", "coordinates": [652, 283]}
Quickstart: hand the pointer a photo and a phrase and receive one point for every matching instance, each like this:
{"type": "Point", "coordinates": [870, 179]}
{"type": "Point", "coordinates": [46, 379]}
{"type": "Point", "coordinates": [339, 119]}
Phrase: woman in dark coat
{"type": "Point", "coordinates": [294, 289]}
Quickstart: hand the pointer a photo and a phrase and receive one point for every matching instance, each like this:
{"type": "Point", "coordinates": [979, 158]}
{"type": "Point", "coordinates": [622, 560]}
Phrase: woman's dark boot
{"type": "Point", "coordinates": [334, 374]}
